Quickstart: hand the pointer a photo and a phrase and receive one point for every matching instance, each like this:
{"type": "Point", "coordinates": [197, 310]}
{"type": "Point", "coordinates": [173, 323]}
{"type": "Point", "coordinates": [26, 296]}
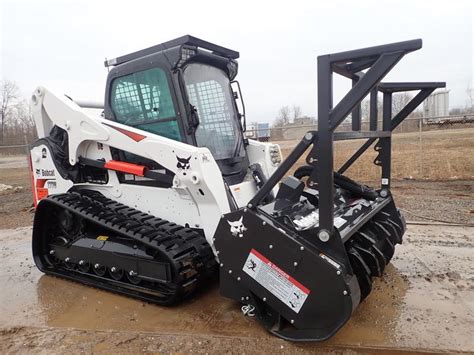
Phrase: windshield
{"type": "Point", "coordinates": [209, 91]}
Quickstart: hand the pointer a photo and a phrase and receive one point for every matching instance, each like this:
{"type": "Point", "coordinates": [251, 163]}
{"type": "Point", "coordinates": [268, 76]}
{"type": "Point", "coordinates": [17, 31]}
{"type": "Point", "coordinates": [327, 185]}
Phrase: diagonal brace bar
{"type": "Point", "coordinates": [360, 90]}
{"type": "Point", "coordinates": [410, 107]}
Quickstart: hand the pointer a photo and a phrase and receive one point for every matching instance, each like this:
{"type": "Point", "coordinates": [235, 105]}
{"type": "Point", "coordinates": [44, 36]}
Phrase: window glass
{"type": "Point", "coordinates": [168, 129]}
{"type": "Point", "coordinates": [142, 99]}
{"type": "Point", "coordinates": [209, 91]}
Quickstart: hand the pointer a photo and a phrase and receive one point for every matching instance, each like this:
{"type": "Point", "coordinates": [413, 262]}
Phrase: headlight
{"type": "Point", "coordinates": [232, 67]}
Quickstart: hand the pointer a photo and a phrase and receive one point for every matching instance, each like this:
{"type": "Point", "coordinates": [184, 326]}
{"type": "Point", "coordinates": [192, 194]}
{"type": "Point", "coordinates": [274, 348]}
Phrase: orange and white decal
{"type": "Point", "coordinates": [135, 136]}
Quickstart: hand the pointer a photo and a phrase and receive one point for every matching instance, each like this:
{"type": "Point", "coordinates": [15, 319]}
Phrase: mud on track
{"type": "Point", "coordinates": [424, 302]}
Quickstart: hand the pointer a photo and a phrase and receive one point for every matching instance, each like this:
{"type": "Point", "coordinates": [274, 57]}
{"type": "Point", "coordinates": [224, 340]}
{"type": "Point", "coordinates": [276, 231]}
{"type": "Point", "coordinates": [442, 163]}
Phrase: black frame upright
{"type": "Point", "coordinates": [366, 68]}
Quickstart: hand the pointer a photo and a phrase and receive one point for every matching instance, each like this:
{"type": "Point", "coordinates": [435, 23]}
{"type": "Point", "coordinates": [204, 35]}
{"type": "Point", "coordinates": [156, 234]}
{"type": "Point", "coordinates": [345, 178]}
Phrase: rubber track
{"type": "Point", "coordinates": [188, 251]}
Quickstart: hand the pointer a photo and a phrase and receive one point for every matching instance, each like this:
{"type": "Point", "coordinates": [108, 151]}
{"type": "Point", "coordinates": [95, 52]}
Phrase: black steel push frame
{"type": "Point", "coordinates": [365, 68]}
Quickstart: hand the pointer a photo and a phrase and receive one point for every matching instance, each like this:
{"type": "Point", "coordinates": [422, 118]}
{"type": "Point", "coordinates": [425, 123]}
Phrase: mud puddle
{"type": "Point", "coordinates": [425, 301]}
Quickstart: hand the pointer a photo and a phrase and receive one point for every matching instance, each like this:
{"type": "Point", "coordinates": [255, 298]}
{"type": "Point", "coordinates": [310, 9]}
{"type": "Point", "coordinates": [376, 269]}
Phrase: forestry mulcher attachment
{"type": "Point", "coordinates": [159, 192]}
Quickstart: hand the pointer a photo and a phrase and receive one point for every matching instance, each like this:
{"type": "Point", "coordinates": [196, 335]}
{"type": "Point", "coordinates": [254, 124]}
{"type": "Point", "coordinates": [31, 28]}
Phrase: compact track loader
{"type": "Point", "coordinates": [163, 190]}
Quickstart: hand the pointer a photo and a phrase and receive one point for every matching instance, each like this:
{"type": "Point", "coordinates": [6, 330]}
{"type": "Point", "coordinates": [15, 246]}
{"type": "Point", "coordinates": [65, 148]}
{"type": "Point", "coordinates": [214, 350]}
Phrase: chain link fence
{"type": "Point", "coordinates": [422, 148]}
{"type": "Point", "coordinates": [438, 148]}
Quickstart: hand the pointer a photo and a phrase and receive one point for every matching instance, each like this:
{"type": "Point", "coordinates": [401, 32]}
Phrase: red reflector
{"type": "Point", "coordinates": [135, 136]}
{"type": "Point", "coordinates": [125, 167]}
{"type": "Point", "coordinates": [42, 192]}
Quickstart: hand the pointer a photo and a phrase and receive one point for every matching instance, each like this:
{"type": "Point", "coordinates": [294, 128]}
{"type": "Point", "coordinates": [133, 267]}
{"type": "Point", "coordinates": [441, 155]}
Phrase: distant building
{"type": "Point", "coordinates": [437, 104]}
{"type": "Point", "coordinates": [298, 128]}
{"type": "Point", "coordinates": [258, 131]}
{"type": "Point", "coordinates": [305, 120]}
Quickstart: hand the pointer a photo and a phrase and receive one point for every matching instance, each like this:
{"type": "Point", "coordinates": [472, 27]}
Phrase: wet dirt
{"type": "Point", "coordinates": [424, 302]}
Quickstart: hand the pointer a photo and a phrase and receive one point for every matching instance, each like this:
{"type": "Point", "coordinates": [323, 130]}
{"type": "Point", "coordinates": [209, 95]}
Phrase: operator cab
{"type": "Point", "coordinates": [182, 90]}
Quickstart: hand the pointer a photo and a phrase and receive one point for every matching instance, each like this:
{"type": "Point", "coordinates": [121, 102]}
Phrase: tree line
{"type": "Point", "coordinates": [286, 115]}
{"type": "Point", "coordinates": [16, 121]}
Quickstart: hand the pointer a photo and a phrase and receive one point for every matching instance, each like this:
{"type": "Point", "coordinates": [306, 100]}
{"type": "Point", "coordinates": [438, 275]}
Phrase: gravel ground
{"type": "Point", "coordinates": [447, 201]}
{"type": "Point", "coordinates": [15, 204]}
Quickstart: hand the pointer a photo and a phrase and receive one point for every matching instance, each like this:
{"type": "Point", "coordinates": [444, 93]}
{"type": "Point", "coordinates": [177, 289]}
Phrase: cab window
{"type": "Point", "coordinates": [143, 100]}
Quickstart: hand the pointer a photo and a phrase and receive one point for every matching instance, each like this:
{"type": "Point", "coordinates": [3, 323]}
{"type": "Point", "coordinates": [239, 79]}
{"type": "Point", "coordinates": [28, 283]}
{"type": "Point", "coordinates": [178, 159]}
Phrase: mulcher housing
{"type": "Point", "coordinates": [348, 240]}
{"type": "Point", "coordinates": [150, 199]}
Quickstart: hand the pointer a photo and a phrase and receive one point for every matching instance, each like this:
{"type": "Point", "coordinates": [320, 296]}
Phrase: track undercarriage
{"type": "Point", "coordinates": [86, 237]}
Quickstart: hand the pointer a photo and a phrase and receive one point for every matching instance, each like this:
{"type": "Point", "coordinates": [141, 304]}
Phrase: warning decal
{"type": "Point", "coordinates": [276, 281]}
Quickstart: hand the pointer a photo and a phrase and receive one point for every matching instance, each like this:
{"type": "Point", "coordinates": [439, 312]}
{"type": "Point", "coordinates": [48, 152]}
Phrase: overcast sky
{"type": "Point", "coordinates": [62, 44]}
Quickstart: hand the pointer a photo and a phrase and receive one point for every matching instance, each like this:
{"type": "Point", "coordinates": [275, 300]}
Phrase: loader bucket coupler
{"type": "Point", "coordinates": [305, 259]}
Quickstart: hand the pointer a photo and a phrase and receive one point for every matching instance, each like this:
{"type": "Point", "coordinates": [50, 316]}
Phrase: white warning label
{"type": "Point", "coordinates": [276, 281]}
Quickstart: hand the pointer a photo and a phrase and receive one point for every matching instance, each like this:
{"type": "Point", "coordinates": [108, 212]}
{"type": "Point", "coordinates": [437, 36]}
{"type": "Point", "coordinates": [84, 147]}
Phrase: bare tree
{"type": "Point", "coordinates": [283, 117]}
{"type": "Point", "coordinates": [8, 96]}
{"type": "Point", "coordinates": [297, 113]}
{"type": "Point", "coordinates": [365, 110]}
{"type": "Point", "coordinates": [23, 117]}
{"type": "Point", "coordinates": [399, 101]}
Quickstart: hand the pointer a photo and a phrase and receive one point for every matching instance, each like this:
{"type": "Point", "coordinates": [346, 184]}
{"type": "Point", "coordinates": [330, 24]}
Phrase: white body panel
{"type": "Point", "coordinates": [46, 178]}
{"type": "Point", "coordinates": [198, 196]}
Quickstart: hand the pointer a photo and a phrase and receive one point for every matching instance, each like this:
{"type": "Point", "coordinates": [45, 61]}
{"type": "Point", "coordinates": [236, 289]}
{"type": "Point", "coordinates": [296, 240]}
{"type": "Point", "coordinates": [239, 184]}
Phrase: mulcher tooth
{"type": "Point", "coordinates": [365, 237]}
{"type": "Point", "coordinates": [368, 242]}
{"type": "Point", "coordinates": [393, 233]}
{"type": "Point", "coordinates": [361, 271]}
{"type": "Point", "coordinates": [370, 259]}
{"type": "Point", "coordinates": [399, 229]}
{"type": "Point", "coordinates": [381, 258]}
{"type": "Point", "coordinates": [383, 243]}
{"type": "Point", "coordinates": [396, 231]}
{"type": "Point", "coordinates": [385, 231]}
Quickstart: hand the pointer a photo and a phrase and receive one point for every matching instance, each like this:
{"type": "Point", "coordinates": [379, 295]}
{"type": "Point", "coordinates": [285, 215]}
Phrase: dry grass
{"type": "Point", "coordinates": [442, 155]}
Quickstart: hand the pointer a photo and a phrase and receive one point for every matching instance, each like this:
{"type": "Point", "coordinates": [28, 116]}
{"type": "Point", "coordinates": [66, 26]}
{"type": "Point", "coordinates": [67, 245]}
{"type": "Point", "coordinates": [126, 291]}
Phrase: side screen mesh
{"type": "Point", "coordinates": [142, 99]}
{"type": "Point", "coordinates": [142, 96]}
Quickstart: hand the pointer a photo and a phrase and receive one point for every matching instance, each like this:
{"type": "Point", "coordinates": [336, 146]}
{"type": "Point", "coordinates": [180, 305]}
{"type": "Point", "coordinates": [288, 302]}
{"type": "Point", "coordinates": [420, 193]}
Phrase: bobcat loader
{"type": "Point", "coordinates": [163, 190]}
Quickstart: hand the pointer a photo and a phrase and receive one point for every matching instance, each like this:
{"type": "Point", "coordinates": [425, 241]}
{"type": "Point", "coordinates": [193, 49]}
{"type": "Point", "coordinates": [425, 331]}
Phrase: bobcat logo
{"type": "Point", "coordinates": [237, 228]}
{"type": "Point", "coordinates": [38, 172]}
{"type": "Point", "coordinates": [43, 153]}
{"type": "Point", "coordinates": [183, 164]}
